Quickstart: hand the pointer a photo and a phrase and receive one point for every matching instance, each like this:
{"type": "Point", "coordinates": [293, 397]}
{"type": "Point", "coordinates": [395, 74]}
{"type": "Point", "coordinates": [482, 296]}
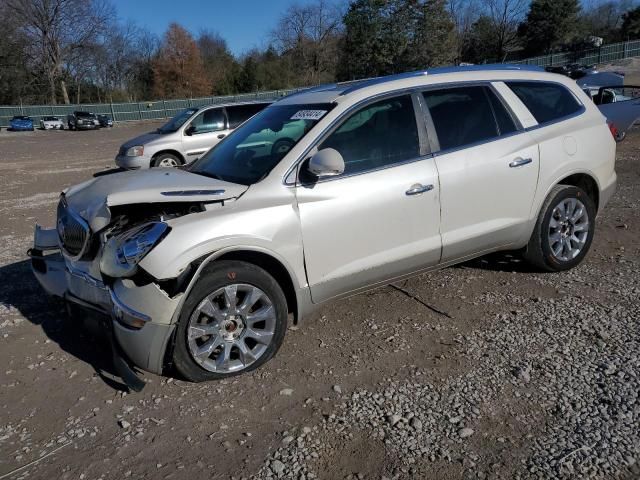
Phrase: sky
{"type": "Point", "coordinates": [244, 24]}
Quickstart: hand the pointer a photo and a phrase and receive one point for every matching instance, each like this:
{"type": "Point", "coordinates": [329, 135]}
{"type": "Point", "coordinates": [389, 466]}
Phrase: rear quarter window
{"type": "Point", "coordinates": [546, 101]}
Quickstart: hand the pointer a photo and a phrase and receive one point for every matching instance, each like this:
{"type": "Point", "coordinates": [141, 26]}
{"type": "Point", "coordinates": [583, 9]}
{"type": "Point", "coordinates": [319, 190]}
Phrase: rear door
{"type": "Point", "coordinates": [488, 169]}
{"type": "Point", "coordinates": [381, 218]}
{"type": "Point", "coordinates": [204, 132]}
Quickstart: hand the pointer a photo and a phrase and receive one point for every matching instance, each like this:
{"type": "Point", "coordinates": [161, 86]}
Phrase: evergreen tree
{"type": "Point", "coordinates": [630, 29]}
{"type": "Point", "coordinates": [549, 23]}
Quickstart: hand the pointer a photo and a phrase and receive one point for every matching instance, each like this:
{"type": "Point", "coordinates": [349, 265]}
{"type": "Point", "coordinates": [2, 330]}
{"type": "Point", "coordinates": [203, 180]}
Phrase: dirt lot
{"type": "Point", "coordinates": [523, 375]}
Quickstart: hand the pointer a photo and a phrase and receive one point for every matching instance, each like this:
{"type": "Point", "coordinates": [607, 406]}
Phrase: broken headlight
{"type": "Point", "coordinates": [123, 252]}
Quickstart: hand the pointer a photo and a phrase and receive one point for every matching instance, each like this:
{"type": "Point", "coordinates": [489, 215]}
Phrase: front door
{"type": "Point", "coordinates": [488, 170]}
{"type": "Point", "coordinates": [204, 132]}
{"type": "Point", "coordinates": [380, 219]}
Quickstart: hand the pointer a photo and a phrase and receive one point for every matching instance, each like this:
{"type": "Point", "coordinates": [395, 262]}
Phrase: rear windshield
{"type": "Point", "coordinates": [546, 101]}
{"type": "Point", "coordinates": [84, 114]}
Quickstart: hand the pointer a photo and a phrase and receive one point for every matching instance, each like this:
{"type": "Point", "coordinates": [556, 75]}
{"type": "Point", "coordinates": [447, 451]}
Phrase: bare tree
{"type": "Point", "coordinates": [55, 28]}
{"type": "Point", "coordinates": [309, 33]}
{"type": "Point", "coordinates": [463, 13]}
{"type": "Point", "coordinates": [505, 16]}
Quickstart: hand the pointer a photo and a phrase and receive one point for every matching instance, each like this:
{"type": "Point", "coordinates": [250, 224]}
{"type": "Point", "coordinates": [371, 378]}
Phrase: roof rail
{"type": "Point", "coordinates": [438, 71]}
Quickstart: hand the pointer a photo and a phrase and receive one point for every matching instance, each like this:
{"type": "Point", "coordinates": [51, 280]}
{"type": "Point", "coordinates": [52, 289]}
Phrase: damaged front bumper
{"type": "Point", "coordinates": [136, 319]}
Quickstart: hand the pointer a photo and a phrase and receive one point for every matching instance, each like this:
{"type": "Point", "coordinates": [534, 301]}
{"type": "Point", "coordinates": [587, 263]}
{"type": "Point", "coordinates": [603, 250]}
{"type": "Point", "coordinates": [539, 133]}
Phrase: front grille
{"type": "Point", "coordinates": [123, 151]}
{"type": "Point", "coordinates": [73, 231]}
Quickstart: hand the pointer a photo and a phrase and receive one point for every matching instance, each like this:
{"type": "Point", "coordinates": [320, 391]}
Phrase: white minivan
{"type": "Point", "coordinates": [185, 137]}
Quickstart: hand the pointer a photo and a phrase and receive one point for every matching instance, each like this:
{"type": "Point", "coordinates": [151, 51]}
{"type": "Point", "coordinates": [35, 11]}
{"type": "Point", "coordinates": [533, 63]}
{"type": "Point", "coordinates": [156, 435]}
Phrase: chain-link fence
{"type": "Point", "coordinates": [122, 112]}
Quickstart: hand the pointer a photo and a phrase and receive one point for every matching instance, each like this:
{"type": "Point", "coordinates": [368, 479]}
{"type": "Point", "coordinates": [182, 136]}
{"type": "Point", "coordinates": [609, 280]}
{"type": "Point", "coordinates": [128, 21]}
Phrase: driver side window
{"type": "Point", "coordinates": [212, 120]}
{"type": "Point", "coordinates": [379, 135]}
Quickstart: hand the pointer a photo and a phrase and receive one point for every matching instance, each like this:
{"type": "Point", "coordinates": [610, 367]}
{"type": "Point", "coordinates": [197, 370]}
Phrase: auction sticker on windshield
{"type": "Point", "coordinates": [308, 115]}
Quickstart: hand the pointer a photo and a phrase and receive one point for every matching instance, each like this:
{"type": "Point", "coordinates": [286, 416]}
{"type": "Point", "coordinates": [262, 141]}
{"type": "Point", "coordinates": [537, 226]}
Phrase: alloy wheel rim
{"type": "Point", "coordinates": [568, 229]}
{"type": "Point", "coordinates": [231, 328]}
{"type": "Point", "coordinates": [168, 162]}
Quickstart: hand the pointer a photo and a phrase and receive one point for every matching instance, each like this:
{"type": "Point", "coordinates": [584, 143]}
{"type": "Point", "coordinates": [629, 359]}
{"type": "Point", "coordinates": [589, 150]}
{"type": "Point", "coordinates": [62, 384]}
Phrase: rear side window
{"type": "Point", "coordinates": [546, 101]}
{"type": "Point", "coordinates": [240, 113]}
{"type": "Point", "coordinates": [462, 116]}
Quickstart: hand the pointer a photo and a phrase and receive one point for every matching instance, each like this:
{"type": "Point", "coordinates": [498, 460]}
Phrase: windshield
{"type": "Point", "coordinates": [176, 122]}
{"type": "Point", "coordinates": [84, 114]}
{"type": "Point", "coordinates": [248, 154]}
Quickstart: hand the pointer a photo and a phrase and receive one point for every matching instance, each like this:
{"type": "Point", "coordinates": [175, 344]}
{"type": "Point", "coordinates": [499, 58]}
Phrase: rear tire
{"type": "Point", "coordinates": [233, 321]}
{"type": "Point", "coordinates": [166, 160]}
{"type": "Point", "coordinates": [564, 230]}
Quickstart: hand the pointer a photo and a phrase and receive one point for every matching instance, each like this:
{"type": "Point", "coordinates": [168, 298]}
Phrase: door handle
{"type": "Point", "coordinates": [519, 162]}
{"type": "Point", "coordinates": [418, 188]}
{"type": "Point", "coordinates": [222, 135]}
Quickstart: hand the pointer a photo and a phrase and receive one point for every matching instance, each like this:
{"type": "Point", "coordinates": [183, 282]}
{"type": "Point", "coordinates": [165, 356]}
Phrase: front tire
{"type": "Point", "coordinates": [233, 321]}
{"type": "Point", "coordinates": [564, 230]}
{"type": "Point", "coordinates": [166, 160]}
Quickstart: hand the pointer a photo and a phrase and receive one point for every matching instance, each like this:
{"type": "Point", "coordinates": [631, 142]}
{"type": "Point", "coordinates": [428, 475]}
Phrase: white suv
{"type": "Point", "coordinates": [324, 194]}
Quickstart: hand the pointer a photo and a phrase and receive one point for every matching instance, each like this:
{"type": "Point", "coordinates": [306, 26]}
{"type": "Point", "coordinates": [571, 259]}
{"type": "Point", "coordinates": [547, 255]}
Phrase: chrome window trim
{"type": "Point", "coordinates": [582, 109]}
{"type": "Point", "coordinates": [334, 124]}
{"type": "Point", "coordinates": [299, 183]}
{"type": "Point", "coordinates": [485, 84]}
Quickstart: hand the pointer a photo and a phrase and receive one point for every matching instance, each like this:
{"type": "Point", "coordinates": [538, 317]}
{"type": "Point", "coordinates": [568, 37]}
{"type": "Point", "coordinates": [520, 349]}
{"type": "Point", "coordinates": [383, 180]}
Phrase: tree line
{"type": "Point", "coordinates": [77, 51]}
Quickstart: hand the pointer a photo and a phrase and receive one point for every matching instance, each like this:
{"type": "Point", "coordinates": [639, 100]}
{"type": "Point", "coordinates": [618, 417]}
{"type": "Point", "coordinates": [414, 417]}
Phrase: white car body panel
{"type": "Point", "coordinates": [347, 233]}
{"type": "Point", "coordinates": [482, 218]}
{"type": "Point", "coordinates": [403, 236]}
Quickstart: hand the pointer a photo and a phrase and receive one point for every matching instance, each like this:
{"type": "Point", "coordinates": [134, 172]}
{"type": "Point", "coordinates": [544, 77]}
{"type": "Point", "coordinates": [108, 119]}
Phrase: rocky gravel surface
{"type": "Point", "coordinates": [571, 367]}
{"type": "Point", "coordinates": [484, 370]}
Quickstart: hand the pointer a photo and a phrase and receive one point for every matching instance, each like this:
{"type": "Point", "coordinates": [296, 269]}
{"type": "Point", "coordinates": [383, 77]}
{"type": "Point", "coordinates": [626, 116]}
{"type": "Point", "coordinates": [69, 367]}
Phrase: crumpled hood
{"type": "Point", "coordinates": [143, 139]}
{"type": "Point", "coordinates": [92, 199]}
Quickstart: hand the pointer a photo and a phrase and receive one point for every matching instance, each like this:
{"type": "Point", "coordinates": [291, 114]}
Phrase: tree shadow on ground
{"type": "Point", "coordinates": [20, 290]}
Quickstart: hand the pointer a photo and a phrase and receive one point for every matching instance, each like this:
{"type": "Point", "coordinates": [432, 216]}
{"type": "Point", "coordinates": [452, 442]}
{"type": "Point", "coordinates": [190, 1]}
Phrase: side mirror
{"type": "Point", "coordinates": [190, 130]}
{"type": "Point", "coordinates": [326, 163]}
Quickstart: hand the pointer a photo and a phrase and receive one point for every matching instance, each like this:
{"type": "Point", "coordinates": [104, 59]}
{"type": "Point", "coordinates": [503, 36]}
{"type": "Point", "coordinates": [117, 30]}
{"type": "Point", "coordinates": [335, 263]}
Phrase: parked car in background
{"type": "Point", "coordinates": [619, 103]}
{"type": "Point", "coordinates": [82, 121]}
{"type": "Point", "coordinates": [21, 123]}
{"type": "Point", "coordinates": [185, 137]}
{"type": "Point", "coordinates": [51, 123]}
{"type": "Point", "coordinates": [105, 121]}
{"type": "Point", "coordinates": [199, 267]}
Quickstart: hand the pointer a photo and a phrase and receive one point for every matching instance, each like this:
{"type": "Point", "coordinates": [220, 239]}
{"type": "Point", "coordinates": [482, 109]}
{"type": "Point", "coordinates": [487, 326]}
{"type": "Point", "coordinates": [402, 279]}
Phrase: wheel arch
{"type": "Point", "coordinates": [175, 153]}
{"type": "Point", "coordinates": [262, 258]}
{"type": "Point", "coordinates": [586, 182]}
{"type": "Point", "coordinates": [297, 303]}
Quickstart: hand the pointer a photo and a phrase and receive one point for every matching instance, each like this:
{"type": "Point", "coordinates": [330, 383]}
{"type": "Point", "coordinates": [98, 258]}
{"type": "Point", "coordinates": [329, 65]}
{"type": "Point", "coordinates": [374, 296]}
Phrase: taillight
{"type": "Point", "coordinates": [613, 129]}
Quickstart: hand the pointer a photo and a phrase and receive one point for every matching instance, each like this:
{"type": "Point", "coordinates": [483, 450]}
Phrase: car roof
{"type": "Point", "coordinates": [233, 104]}
{"type": "Point", "coordinates": [338, 92]}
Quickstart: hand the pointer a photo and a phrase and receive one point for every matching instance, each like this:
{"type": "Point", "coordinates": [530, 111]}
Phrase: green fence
{"type": "Point", "coordinates": [604, 54]}
{"type": "Point", "coordinates": [122, 112]}
{"type": "Point", "coordinates": [159, 109]}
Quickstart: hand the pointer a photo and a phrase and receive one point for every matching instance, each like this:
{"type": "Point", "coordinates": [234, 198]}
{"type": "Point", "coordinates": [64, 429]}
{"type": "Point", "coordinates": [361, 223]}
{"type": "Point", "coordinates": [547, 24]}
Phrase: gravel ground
{"type": "Point", "coordinates": [521, 375]}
